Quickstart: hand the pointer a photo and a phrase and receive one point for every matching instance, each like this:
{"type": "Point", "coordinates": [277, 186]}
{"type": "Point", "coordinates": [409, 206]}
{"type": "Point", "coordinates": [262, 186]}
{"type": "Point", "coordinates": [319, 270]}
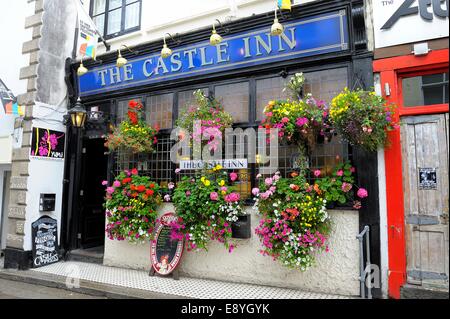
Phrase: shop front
{"type": "Point", "coordinates": [246, 70]}
{"type": "Point", "coordinates": [412, 71]}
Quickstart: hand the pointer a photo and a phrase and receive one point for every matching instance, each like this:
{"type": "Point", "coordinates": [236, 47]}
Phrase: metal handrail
{"type": "Point", "coordinates": [363, 272]}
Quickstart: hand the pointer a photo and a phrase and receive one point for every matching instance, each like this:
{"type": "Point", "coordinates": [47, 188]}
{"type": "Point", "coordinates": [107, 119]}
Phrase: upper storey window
{"type": "Point", "coordinates": [116, 17]}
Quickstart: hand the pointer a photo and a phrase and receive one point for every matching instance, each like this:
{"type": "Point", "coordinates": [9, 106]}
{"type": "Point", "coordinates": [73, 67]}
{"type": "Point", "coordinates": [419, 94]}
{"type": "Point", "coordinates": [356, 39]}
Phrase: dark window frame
{"type": "Point", "coordinates": [252, 79]}
{"type": "Point", "coordinates": [122, 31]}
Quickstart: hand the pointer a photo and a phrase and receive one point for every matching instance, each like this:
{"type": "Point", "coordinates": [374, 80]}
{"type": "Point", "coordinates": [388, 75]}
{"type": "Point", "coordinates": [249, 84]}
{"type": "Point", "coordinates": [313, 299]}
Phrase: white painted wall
{"type": "Point", "coordinates": [336, 272]}
{"type": "Point", "coordinates": [12, 34]}
{"type": "Point", "coordinates": [180, 16]}
{"type": "Point", "coordinates": [45, 175]}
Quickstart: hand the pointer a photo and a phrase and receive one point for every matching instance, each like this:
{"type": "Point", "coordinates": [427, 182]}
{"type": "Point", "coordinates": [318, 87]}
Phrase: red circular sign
{"type": "Point", "coordinates": [165, 252]}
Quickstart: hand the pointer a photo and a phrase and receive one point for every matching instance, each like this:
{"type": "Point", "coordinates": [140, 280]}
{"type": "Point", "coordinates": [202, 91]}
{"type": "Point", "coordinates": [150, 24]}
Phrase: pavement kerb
{"type": "Point", "coordinates": [86, 287]}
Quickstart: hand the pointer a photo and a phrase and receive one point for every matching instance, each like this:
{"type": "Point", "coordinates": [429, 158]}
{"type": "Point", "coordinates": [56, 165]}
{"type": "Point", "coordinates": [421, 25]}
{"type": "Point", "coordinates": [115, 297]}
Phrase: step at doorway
{"type": "Point", "coordinates": [90, 255]}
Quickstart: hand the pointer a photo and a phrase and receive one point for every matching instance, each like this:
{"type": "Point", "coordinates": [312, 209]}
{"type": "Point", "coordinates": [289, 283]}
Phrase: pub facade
{"type": "Point", "coordinates": [329, 42]}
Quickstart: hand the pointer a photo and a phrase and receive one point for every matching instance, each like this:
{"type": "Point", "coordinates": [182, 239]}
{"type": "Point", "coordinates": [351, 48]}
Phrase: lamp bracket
{"type": "Point", "coordinates": [225, 30]}
{"type": "Point", "coordinates": [173, 39]}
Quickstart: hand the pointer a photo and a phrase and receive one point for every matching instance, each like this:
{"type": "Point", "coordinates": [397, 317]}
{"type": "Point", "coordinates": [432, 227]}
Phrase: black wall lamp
{"type": "Point", "coordinates": [78, 114]}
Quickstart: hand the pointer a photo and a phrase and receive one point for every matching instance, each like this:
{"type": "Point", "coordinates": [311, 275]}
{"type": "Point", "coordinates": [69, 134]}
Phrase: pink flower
{"type": "Point", "coordinates": [276, 178]}
{"type": "Point", "coordinates": [233, 176]}
{"type": "Point", "coordinates": [170, 185]}
{"type": "Point", "coordinates": [356, 204]}
{"type": "Point", "coordinates": [110, 190]}
{"type": "Point", "coordinates": [269, 114]}
{"type": "Point", "coordinates": [104, 183]}
{"type": "Point", "coordinates": [233, 197]}
{"type": "Point", "coordinates": [167, 198]}
{"type": "Point", "coordinates": [116, 184]}
{"type": "Point", "coordinates": [285, 119]}
{"type": "Point", "coordinates": [317, 173]}
{"type": "Point", "coordinates": [301, 121]}
{"type": "Point", "coordinates": [340, 172]}
{"type": "Point", "coordinates": [264, 195]}
{"type": "Point", "coordinates": [255, 191]}
{"type": "Point", "coordinates": [188, 193]}
{"type": "Point", "coordinates": [224, 188]}
{"type": "Point", "coordinates": [214, 196]}
{"type": "Point", "coordinates": [346, 187]}
{"type": "Point", "coordinates": [268, 181]}
{"type": "Point", "coordinates": [352, 169]}
{"type": "Point", "coordinates": [230, 250]}
{"type": "Point", "coordinates": [362, 193]}
{"type": "Point", "coordinates": [258, 176]}
{"type": "Point", "coordinates": [177, 171]}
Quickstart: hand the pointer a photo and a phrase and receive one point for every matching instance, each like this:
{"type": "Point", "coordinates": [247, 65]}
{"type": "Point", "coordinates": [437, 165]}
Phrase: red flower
{"type": "Point", "coordinates": [133, 117]}
{"type": "Point", "coordinates": [134, 171]}
{"type": "Point", "coordinates": [126, 180]}
{"type": "Point", "coordinates": [152, 185]}
{"type": "Point", "coordinates": [134, 194]}
{"type": "Point", "coordinates": [141, 188]}
{"type": "Point", "coordinates": [132, 187]}
{"type": "Point", "coordinates": [149, 192]}
{"type": "Point", "coordinates": [132, 104]}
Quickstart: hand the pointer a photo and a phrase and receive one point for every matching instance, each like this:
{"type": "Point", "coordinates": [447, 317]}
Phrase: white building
{"type": "Point", "coordinates": [13, 33]}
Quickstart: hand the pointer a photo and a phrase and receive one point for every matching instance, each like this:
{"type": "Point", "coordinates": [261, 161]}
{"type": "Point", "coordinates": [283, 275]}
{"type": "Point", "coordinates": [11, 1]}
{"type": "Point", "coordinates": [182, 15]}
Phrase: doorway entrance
{"type": "Point", "coordinates": [424, 141]}
{"type": "Point", "coordinates": [91, 220]}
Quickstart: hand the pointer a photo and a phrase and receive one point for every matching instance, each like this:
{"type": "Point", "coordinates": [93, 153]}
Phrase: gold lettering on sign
{"type": "Point", "coordinates": [176, 60]}
{"type": "Point", "coordinates": [203, 57]}
{"type": "Point", "coordinates": [102, 74]}
{"type": "Point", "coordinates": [160, 65]}
{"type": "Point", "coordinates": [114, 75]}
{"type": "Point", "coordinates": [222, 48]}
{"type": "Point", "coordinates": [145, 68]}
{"type": "Point", "coordinates": [128, 72]}
{"type": "Point", "coordinates": [260, 42]}
{"type": "Point", "coordinates": [290, 42]}
{"type": "Point", "coordinates": [190, 54]}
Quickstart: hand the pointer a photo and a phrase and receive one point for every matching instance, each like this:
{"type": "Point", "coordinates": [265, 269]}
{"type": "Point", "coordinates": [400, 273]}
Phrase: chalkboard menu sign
{"type": "Point", "coordinates": [165, 252]}
{"type": "Point", "coordinates": [44, 234]}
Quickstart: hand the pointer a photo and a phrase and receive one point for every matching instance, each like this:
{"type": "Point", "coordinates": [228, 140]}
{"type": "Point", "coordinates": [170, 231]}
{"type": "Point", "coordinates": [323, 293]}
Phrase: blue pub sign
{"type": "Point", "coordinates": [305, 37]}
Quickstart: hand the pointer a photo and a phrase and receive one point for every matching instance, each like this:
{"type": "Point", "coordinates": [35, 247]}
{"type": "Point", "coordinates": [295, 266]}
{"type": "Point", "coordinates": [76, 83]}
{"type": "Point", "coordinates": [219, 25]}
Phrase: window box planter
{"type": "Point", "coordinates": [242, 227]}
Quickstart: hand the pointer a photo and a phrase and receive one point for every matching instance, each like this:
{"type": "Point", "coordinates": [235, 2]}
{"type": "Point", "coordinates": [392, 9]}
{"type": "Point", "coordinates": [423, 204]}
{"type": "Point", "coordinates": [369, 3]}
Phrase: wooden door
{"type": "Point", "coordinates": [424, 142]}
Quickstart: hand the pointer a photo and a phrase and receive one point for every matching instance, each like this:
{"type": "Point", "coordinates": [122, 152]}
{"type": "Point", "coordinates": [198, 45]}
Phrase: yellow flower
{"type": "Point", "coordinates": [202, 179]}
{"type": "Point", "coordinates": [207, 182]}
{"type": "Point", "coordinates": [222, 183]}
{"type": "Point", "coordinates": [224, 192]}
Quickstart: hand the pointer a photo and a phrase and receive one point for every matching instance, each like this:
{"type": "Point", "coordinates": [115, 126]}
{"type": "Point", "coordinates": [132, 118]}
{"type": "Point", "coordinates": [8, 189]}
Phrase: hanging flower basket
{"type": "Point", "coordinates": [363, 118]}
{"type": "Point", "coordinates": [211, 118]}
{"type": "Point", "coordinates": [133, 134]}
{"type": "Point", "coordinates": [207, 206]}
{"type": "Point", "coordinates": [131, 206]}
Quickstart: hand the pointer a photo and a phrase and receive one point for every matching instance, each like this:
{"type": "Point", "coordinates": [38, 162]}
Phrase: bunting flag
{"type": "Point", "coordinates": [9, 101]}
{"type": "Point", "coordinates": [87, 33]}
{"type": "Point", "coordinates": [284, 4]}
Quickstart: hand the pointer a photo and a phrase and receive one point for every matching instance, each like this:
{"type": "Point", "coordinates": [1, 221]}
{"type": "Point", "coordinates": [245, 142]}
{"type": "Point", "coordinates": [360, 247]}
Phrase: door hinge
{"type": "Point", "coordinates": [79, 235]}
{"type": "Point", "coordinates": [83, 150]}
{"type": "Point", "coordinates": [81, 192]}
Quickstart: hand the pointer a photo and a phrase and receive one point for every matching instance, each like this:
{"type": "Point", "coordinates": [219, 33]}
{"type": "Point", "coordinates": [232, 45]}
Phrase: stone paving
{"type": "Point", "coordinates": [185, 287]}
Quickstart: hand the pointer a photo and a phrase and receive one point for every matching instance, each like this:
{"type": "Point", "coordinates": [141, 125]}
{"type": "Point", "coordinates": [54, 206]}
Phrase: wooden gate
{"type": "Point", "coordinates": [424, 142]}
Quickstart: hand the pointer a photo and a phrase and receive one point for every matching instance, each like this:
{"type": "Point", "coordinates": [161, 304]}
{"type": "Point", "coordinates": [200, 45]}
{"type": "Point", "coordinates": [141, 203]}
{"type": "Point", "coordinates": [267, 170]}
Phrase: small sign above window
{"type": "Point", "coordinates": [427, 178]}
{"type": "Point", "coordinates": [226, 164]}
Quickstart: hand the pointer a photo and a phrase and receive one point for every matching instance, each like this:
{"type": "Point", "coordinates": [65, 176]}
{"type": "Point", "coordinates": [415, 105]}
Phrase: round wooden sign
{"type": "Point", "coordinates": [165, 252]}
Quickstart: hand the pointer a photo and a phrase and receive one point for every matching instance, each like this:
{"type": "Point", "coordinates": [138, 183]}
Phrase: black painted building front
{"type": "Point", "coordinates": [244, 92]}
